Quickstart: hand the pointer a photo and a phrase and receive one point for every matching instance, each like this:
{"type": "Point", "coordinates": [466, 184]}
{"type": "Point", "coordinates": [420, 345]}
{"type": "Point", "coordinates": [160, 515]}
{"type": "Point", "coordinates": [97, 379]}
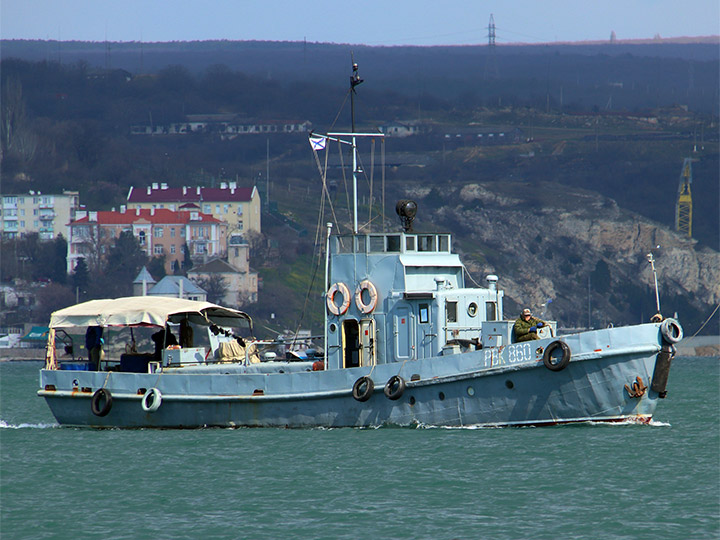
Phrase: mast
{"type": "Point", "coordinates": [355, 80]}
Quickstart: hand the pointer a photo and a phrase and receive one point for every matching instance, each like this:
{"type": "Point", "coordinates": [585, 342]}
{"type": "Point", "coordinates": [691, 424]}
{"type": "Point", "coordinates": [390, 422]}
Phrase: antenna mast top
{"type": "Point", "coordinates": [355, 80]}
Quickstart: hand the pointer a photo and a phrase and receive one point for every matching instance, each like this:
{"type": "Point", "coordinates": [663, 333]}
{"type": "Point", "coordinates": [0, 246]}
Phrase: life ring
{"type": "Point", "coordinates": [363, 388]}
{"type": "Point", "coordinates": [330, 298]}
{"type": "Point", "coordinates": [101, 393]}
{"type": "Point", "coordinates": [550, 362]}
{"type": "Point", "coordinates": [366, 285]}
{"type": "Point", "coordinates": [394, 388]}
{"type": "Point", "coordinates": [671, 331]}
{"type": "Point", "coordinates": [151, 400]}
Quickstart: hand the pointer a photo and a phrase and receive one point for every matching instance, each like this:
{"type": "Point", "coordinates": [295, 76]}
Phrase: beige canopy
{"type": "Point", "coordinates": [147, 311]}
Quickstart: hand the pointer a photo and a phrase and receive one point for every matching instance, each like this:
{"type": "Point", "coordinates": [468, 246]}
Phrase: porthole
{"type": "Point", "coordinates": [472, 309]}
{"type": "Point", "coordinates": [441, 395]}
{"type": "Point", "coordinates": [333, 327]}
{"type": "Point", "coordinates": [412, 400]}
{"type": "Point", "coordinates": [470, 391]}
{"type": "Point", "coordinates": [509, 384]}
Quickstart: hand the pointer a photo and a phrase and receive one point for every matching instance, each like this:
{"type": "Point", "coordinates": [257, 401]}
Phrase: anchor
{"type": "Point", "coordinates": [638, 388]}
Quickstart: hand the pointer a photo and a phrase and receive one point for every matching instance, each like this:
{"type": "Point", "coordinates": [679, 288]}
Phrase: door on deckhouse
{"type": "Point", "coordinates": [403, 333]}
{"type": "Point", "coordinates": [367, 342]}
{"type": "Point", "coordinates": [351, 343]}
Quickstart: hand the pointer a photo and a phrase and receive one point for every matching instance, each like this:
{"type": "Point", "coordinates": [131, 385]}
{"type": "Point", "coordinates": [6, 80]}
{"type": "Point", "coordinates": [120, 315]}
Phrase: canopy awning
{"type": "Point", "coordinates": [38, 334]}
{"type": "Point", "coordinates": [147, 311]}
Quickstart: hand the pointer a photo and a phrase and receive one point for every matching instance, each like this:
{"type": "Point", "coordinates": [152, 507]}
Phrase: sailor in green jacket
{"type": "Point", "coordinates": [526, 327]}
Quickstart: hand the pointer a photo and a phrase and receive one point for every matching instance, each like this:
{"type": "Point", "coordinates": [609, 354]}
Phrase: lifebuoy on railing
{"type": "Point", "coordinates": [335, 288]}
{"type": "Point", "coordinates": [151, 400]}
{"type": "Point", "coordinates": [100, 394]}
{"type": "Point", "coordinates": [671, 331]}
{"type": "Point", "coordinates": [552, 363]}
{"type": "Point", "coordinates": [366, 307]}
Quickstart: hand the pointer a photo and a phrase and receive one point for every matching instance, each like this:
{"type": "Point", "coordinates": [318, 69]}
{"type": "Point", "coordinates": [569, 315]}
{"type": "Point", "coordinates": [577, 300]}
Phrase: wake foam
{"type": "Point", "coordinates": [5, 425]}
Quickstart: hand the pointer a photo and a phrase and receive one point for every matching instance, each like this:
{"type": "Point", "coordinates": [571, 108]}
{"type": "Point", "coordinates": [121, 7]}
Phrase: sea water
{"type": "Point", "coordinates": [619, 481]}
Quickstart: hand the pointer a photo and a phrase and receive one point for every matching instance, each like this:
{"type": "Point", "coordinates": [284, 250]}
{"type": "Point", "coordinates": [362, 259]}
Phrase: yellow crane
{"type": "Point", "coordinates": [683, 208]}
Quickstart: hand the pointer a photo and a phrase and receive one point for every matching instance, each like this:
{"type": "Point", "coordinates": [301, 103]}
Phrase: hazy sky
{"type": "Point", "coordinates": [373, 22]}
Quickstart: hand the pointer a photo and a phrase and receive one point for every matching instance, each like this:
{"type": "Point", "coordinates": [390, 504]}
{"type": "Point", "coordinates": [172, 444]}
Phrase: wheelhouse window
{"type": "Point", "coordinates": [444, 243]}
{"type": "Point", "coordinates": [393, 243]}
{"type": "Point", "coordinates": [424, 313]}
{"type": "Point", "coordinates": [490, 311]}
{"type": "Point", "coordinates": [377, 244]}
{"type": "Point", "coordinates": [426, 242]}
{"type": "Point", "coordinates": [409, 243]}
{"type": "Point", "coordinates": [450, 311]}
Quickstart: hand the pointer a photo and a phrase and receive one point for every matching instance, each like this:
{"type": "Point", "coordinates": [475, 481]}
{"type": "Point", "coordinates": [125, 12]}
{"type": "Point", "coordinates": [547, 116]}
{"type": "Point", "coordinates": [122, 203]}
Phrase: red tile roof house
{"type": "Point", "coordinates": [238, 206]}
{"type": "Point", "coordinates": [159, 232]}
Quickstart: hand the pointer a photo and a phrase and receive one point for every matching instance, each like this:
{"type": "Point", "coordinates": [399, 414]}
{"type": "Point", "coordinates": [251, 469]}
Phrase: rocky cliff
{"type": "Point", "coordinates": [572, 254]}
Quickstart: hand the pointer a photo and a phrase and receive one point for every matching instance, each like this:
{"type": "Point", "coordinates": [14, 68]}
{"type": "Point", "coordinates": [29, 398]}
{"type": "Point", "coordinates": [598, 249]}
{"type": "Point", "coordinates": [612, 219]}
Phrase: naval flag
{"type": "Point", "coordinates": [318, 143]}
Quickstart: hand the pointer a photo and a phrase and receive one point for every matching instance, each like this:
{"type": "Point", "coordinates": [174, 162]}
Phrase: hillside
{"type": "Point", "coordinates": [568, 205]}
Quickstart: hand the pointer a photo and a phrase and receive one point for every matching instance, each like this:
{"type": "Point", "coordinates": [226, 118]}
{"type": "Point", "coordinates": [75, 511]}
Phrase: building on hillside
{"type": "Point", "coordinates": [227, 126]}
{"type": "Point", "coordinates": [241, 287]}
{"type": "Point", "coordinates": [158, 231]}
{"type": "Point", "coordinates": [403, 129]}
{"type": "Point", "coordinates": [34, 212]}
{"type": "Point", "coordinates": [239, 207]}
{"type": "Point", "coordinates": [178, 287]}
{"type": "Point", "coordinates": [143, 282]}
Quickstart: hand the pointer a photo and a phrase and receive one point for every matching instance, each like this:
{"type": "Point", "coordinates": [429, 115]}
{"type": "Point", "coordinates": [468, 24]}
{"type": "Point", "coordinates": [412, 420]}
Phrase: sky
{"type": "Point", "coordinates": [370, 22]}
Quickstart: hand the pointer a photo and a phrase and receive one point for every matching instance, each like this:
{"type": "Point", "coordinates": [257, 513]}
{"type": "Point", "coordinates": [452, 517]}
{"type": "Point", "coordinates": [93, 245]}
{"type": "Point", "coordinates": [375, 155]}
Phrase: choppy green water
{"type": "Point", "coordinates": [585, 481]}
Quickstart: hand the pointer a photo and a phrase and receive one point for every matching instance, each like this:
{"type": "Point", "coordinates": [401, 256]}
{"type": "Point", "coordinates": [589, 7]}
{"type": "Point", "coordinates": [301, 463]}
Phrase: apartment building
{"type": "Point", "coordinates": [239, 207]}
{"type": "Point", "coordinates": [158, 231]}
{"type": "Point", "coordinates": [35, 212]}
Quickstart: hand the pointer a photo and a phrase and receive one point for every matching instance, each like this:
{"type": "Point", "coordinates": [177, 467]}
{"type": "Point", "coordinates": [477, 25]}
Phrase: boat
{"type": "Point", "coordinates": [407, 342]}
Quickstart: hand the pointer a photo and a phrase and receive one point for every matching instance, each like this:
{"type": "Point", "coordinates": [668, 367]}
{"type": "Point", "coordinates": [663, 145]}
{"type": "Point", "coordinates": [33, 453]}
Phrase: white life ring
{"type": "Point", "coordinates": [330, 298]}
{"type": "Point", "coordinates": [366, 285]}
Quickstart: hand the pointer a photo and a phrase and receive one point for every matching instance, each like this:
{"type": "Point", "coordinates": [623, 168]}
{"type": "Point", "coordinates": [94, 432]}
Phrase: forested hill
{"type": "Point", "coordinates": [617, 76]}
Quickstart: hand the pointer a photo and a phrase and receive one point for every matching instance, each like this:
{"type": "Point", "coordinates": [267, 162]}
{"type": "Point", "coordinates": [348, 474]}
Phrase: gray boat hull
{"type": "Point", "coordinates": [501, 386]}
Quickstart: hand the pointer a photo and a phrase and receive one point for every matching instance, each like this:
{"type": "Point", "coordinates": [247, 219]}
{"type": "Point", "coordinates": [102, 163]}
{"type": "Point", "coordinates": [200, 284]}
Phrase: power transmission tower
{"type": "Point", "coordinates": [683, 207]}
{"type": "Point", "coordinates": [491, 70]}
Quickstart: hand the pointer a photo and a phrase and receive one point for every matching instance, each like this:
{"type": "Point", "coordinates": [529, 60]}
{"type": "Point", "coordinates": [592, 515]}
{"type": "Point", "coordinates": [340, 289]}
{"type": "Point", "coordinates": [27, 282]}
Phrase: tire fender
{"type": "Point", "coordinates": [151, 400]}
{"type": "Point", "coordinates": [550, 361]}
{"type": "Point", "coordinates": [363, 388]}
{"type": "Point", "coordinates": [101, 393]}
{"type": "Point", "coordinates": [671, 331]}
{"type": "Point", "coordinates": [394, 388]}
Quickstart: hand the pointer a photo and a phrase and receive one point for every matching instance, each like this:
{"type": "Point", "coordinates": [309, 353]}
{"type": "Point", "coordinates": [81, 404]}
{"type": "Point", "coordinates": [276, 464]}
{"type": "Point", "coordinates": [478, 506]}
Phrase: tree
{"type": "Point", "coordinates": [215, 286]}
{"type": "Point", "coordinates": [124, 262]}
{"type": "Point", "coordinates": [50, 298]}
{"type": "Point", "coordinates": [57, 260]}
{"type": "Point", "coordinates": [187, 263]}
{"type": "Point", "coordinates": [601, 277]}
{"type": "Point", "coordinates": [156, 267]}
{"type": "Point", "coordinates": [81, 278]}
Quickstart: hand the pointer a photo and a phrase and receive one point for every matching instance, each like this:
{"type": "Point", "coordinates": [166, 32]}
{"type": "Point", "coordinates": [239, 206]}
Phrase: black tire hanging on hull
{"type": "Point", "coordinates": [549, 360]}
{"type": "Point", "coordinates": [95, 402]}
{"type": "Point", "coordinates": [394, 388]}
{"type": "Point", "coordinates": [363, 388]}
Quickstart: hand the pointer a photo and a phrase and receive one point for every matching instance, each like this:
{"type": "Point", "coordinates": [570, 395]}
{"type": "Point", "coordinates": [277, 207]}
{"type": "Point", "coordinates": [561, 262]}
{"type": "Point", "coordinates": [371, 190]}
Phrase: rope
{"type": "Point", "coordinates": [706, 321]}
{"type": "Point", "coordinates": [347, 193]}
{"type": "Point", "coordinates": [471, 278]}
{"type": "Point", "coordinates": [372, 173]}
{"type": "Point", "coordinates": [382, 168]}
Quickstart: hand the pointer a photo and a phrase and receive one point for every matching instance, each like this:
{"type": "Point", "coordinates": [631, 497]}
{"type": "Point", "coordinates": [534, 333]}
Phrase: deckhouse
{"type": "Point", "coordinates": [402, 296]}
